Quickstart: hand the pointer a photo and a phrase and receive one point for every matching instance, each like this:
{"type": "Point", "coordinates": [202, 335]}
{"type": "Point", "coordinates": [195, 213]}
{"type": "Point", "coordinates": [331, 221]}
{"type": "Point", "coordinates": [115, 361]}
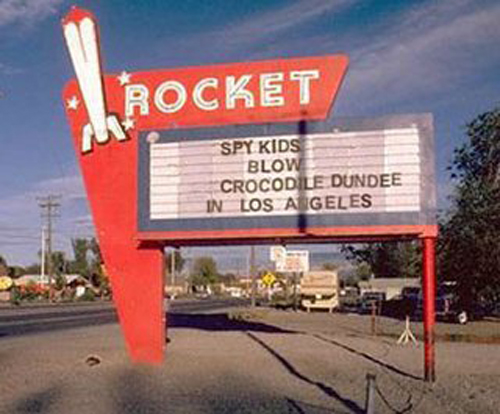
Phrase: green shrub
{"type": "Point", "coordinates": [88, 296]}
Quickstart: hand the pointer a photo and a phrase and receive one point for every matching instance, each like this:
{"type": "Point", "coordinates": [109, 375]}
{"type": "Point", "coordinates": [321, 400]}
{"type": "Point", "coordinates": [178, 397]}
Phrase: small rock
{"type": "Point", "coordinates": [92, 360]}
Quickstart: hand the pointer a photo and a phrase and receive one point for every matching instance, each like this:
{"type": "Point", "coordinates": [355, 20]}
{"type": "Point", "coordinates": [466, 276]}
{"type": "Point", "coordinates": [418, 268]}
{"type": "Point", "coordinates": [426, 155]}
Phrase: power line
{"type": "Point", "coordinates": [17, 236]}
{"type": "Point", "coordinates": [18, 243]}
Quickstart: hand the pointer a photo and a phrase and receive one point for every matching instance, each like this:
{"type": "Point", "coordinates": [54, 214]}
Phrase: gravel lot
{"type": "Point", "coordinates": [269, 362]}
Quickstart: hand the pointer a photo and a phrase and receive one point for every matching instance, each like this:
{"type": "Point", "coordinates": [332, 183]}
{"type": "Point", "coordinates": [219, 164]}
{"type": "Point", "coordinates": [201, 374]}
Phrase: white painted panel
{"type": "Point", "coordinates": [184, 176]}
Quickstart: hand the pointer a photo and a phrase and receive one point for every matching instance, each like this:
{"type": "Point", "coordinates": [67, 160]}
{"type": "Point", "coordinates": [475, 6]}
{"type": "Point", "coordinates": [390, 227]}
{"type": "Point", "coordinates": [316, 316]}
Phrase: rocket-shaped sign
{"type": "Point", "coordinates": [80, 32]}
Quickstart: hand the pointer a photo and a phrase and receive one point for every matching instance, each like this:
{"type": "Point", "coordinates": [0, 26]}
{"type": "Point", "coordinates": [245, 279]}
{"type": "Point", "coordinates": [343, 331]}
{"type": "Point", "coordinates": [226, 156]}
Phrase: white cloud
{"type": "Point", "coordinates": [26, 12]}
{"type": "Point", "coordinates": [69, 187]}
{"type": "Point", "coordinates": [260, 29]}
{"type": "Point", "coordinates": [20, 214]}
{"type": "Point", "coordinates": [433, 48]}
{"type": "Point", "coordinates": [8, 70]}
{"type": "Point", "coordinates": [423, 52]}
{"type": "Point", "coordinates": [281, 20]}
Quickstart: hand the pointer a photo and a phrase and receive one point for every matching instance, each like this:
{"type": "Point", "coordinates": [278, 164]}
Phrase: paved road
{"type": "Point", "coordinates": [46, 318]}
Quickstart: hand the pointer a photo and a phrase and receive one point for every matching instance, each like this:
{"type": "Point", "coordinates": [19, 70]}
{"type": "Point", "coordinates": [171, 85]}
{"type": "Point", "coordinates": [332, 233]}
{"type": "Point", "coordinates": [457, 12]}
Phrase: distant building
{"type": "Point", "coordinates": [391, 287]}
{"type": "Point", "coordinates": [44, 280]}
{"type": "Point", "coordinates": [27, 279]}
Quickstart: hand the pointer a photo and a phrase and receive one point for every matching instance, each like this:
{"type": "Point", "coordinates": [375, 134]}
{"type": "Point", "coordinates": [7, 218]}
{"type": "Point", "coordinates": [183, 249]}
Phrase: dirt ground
{"type": "Point", "coordinates": [482, 331]}
{"type": "Point", "coordinates": [250, 362]}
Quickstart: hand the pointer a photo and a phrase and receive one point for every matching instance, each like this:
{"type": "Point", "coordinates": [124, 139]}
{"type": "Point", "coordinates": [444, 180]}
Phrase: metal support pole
{"type": "Point", "coordinates": [374, 318]}
{"type": "Point", "coordinates": [370, 394]}
{"type": "Point", "coordinates": [295, 291]}
{"type": "Point", "coordinates": [429, 291]}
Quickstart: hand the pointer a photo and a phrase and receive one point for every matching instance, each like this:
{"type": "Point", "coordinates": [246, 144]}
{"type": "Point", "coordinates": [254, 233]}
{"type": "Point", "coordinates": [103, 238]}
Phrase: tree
{"type": "Point", "coordinates": [95, 251]}
{"type": "Point", "coordinates": [33, 269]}
{"type": "Point", "coordinates": [88, 261]}
{"type": "Point", "coordinates": [4, 268]}
{"type": "Point", "coordinates": [16, 271]}
{"type": "Point", "coordinates": [59, 266]}
{"type": "Point", "coordinates": [329, 266]}
{"type": "Point", "coordinates": [59, 263]}
{"type": "Point", "coordinates": [204, 271]}
{"type": "Point", "coordinates": [387, 259]}
{"type": "Point", "coordinates": [179, 261]}
{"type": "Point", "coordinates": [229, 279]}
{"type": "Point", "coordinates": [95, 264]}
{"type": "Point", "coordinates": [469, 246]}
{"type": "Point", "coordinates": [80, 264]}
{"type": "Point", "coordinates": [363, 271]}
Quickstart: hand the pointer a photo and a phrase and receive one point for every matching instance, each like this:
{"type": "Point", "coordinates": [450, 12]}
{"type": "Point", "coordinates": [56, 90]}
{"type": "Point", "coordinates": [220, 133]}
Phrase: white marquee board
{"type": "Point", "coordinates": [325, 172]}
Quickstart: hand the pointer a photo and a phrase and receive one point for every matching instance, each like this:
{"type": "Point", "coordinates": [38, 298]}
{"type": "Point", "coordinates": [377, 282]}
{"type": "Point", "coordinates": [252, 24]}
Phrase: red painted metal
{"type": "Point", "coordinates": [76, 14]}
{"type": "Point", "coordinates": [135, 271]}
{"type": "Point", "coordinates": [361, 233]}
{"type": "Point", "coordinates": [323, 92]}
{"type": "Point", "coordinates": [429, 291]}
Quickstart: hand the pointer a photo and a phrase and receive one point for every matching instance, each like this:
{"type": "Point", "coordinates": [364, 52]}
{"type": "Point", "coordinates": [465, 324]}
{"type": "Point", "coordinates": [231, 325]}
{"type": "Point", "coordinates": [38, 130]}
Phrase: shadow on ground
{"type": "Point", "coordinates": [137, 391]}
{"type": "Point", "coordinates": [324, 388]}
{"type": "Point", "coordinates": [39, 402]}
{"type": "Point", "coordinates": [220, 322]}
{"type": "Point", "coordinates": [368, 357]}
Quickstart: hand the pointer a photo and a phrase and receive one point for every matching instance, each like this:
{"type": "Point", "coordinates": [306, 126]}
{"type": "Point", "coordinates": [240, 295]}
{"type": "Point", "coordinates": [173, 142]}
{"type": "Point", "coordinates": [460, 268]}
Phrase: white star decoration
{"type": "Point", "coordinates": [73, 103]}
{"type": "Point", "coordinates": [129, 123]}
{"type": "Point", "coordinates": [124, 78]}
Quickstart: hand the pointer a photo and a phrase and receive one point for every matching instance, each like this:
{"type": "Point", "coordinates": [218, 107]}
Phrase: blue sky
{"type": "Point", "coordinates": [405, 56]}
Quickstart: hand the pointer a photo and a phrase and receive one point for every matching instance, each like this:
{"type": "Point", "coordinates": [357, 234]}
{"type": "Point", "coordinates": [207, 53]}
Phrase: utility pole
{"type": "Point", "coordinates": [49, 205]}
{"type": "Point", "coordinates": [42, 264]}
{"type": "Point", "coordinates": [253, 275]}
{"type": "Point", "coordinates": [172, 266]}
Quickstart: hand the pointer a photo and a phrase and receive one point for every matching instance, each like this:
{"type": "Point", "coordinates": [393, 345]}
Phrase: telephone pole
{"type": "Point", "coordinates": [253, 275]}
{"type": "Point", "coordinates": [49, 205]}
{"type": "Point", "coordinates": [42, 264]}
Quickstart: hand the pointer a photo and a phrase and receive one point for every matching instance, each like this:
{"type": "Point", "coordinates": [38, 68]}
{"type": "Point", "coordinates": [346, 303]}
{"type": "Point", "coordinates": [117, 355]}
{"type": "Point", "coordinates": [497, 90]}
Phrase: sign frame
{"type": "Point", "coordinates": [301, 228]}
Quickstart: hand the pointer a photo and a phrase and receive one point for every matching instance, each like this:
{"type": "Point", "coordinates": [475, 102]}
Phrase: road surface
{"type": "Point", "coordinates": [45, 318]}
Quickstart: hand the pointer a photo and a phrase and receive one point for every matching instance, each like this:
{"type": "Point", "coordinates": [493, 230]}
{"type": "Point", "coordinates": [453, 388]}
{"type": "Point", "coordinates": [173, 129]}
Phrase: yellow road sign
{"type": "Point", "coordinates": [268, 279]}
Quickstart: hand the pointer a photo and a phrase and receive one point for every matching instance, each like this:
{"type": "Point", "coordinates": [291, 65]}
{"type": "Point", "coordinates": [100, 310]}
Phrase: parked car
{"type": "Point", "coordinates": [411, 293]}
{"type": "Point", "coordinates": [451, 307]}
{"type": "Point", "coordinates": [349, 299]}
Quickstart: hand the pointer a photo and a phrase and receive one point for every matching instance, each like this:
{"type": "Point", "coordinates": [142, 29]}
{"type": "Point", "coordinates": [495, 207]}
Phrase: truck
{"type": "Point", "coordinates": [320, 290]}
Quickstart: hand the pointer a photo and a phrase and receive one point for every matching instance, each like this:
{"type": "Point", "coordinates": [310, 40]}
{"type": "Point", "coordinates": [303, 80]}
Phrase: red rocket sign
{"type": "Point", "coordinates": [108, 112]}
{"type": "Point", "coordinates": [251, 92]}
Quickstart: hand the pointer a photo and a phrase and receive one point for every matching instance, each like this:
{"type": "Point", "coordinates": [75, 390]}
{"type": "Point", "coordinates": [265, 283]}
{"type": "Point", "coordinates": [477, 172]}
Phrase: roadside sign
{"type": "Point", "coordinates": [277, 253]}
{"type": "Point", "coordinates": [332, 177]}
{"type": "Point", "coordinates": [294, 261]}
{"type": "Point", "coordinates": [268, 279]}
{"type": "Point", "coordinates": [234, 153]}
